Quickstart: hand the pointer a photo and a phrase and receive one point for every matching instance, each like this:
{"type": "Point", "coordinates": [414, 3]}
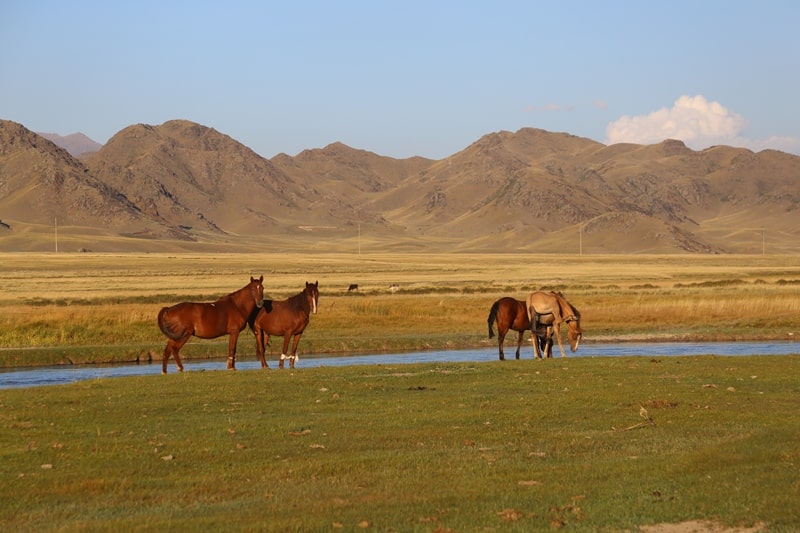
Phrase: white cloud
{"type": "Point", "coordinates": [695, 121]}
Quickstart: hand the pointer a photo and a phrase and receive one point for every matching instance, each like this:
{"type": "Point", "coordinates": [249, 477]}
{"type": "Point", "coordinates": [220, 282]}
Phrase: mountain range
{"type": "Point", "coordinates": [182, 186]}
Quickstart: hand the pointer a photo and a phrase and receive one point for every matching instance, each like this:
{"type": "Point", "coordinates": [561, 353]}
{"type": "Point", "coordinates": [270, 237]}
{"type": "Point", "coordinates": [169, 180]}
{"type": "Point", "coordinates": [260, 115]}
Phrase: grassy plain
{"type": "Point", "coordinates": [589, 444]}
{"type": "Point", "coordinates": [75, 308]}
{"type": "Point", "coordinates": [584, 444]}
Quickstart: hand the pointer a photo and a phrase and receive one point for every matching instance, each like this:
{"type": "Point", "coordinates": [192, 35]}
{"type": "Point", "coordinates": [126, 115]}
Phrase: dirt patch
{"type": "Point", "coordinates": [696, 526]}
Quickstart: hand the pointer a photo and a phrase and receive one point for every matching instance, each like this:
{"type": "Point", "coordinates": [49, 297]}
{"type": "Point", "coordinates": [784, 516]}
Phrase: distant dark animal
{"type": "Point", "coordinates": [285, 317]}
{"type": "Point", "coordinates": [540, 304]}
{"type": "Point", "coordinates": [510, 313]}
{"type": "Point", "coordinates": [226, 316]}
{"type": "Point", "coordinates": [352, 287]}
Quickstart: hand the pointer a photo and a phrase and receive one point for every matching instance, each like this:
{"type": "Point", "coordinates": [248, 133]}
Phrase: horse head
{"type": "Point", "coordinates": [257, 290]}
{"type": "Point", "coordinates": [312, 291]}
{"type": "Point", "coordinates": [575, 332]}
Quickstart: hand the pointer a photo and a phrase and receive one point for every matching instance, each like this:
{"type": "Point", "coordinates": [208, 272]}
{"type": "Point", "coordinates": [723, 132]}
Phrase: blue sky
{"type": "Point", "coordinates": [408, 77]}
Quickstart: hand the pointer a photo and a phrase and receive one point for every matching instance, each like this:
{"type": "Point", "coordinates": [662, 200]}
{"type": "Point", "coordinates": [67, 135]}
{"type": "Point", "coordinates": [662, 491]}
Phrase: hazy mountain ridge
{"type": "Point", "coordinates": [529, 190]}
{"type": "Point", "coordinates": [77, 144]}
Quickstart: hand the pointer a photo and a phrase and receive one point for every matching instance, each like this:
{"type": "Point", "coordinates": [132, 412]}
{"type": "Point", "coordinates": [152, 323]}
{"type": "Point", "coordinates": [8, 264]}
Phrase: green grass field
{"type": "Point", "coordinates": [587, 444]}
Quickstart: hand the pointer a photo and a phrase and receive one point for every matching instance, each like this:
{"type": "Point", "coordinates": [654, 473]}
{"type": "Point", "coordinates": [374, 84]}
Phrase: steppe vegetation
{"type": "Point", "coordinates": [75, 308]}
{"type": "Point", "coordinates": [587, 444]}
{"type": "Point", "coordinates": [584, 444]}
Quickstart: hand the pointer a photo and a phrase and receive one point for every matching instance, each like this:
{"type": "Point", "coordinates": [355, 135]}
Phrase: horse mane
{"type": "Point", "coordinates": [565, 305]}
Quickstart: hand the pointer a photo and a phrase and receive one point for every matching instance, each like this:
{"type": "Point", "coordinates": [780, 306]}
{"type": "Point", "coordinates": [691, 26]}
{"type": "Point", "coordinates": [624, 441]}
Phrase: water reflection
{"type": "Point", "coordinates": [67, 374]}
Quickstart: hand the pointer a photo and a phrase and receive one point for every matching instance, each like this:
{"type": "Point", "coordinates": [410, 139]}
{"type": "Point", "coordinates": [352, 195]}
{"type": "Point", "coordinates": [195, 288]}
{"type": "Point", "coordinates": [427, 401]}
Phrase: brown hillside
{"type": "Point", "coordinates": [41, 184]}
{"type": "Point", "coordinates": [519, 190]}
{"type": "Point", "coordinates": [198, 178]}
{"type": "Point", "coordinates": [186, 186]}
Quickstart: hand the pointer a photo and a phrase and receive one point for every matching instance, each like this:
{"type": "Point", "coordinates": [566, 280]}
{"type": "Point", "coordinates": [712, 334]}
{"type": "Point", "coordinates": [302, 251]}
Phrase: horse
{"type": "Point", "coordinates": [285, 317]}
{"type": "Point", "coordinates": [510, 313]}
{"type": "Point", "coordinates": [541, 303]}
{"type": "Point", "coordinates": [226, 316]}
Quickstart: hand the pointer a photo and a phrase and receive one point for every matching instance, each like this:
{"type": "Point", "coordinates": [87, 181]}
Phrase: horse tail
{"type": "Point", "coordinates": [166, 325]}
{"type": "Point", "coordinates": [492, 317]}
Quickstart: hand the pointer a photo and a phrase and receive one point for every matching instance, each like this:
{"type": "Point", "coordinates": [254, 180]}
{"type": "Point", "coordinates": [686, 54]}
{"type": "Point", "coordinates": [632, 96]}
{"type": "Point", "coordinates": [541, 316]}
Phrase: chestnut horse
{"type": "Point", "coordinates": [226, 316]}
{"type": "Point", "coordinates": [285, 317]}
{"type": "Point", "coordinates": [541, 303]}
{"type": "Point", "coordinates": [510, 313]}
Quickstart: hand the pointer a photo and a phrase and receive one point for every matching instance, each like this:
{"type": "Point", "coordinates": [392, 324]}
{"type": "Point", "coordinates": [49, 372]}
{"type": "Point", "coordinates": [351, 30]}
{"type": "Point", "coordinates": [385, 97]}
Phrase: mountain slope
{"type": "Point", "coordinates": [529, 190]}
{"type": "Point", "coordinates": [42, 184]}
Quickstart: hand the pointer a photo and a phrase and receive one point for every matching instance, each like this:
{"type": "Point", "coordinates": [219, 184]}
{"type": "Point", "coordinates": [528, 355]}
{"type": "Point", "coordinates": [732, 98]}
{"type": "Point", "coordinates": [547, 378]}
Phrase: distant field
{"type": "Point", "coordinates": [69, 307]}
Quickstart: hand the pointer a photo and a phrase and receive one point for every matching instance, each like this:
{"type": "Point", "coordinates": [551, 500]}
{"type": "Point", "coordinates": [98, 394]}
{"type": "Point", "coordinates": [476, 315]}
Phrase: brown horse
{"type": "Point", "coordinates": [541, 303]}
{"type": "Point", "coordinates": [510, 313]}
{"type": "Point", "coordinates": [285, 317]}
{"type": "Point", "coordinates": [228, 315]}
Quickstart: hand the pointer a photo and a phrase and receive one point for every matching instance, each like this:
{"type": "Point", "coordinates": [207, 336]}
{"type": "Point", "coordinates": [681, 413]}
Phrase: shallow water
{"type": "Point", "coordinates": [68, 374]}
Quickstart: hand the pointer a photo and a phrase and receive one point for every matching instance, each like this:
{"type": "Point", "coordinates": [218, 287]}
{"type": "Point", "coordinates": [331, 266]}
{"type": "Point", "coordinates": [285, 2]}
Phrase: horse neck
{"type": "Point", "coordinates": [566, 309]}
{"type": "Point", "coordinates": [242, 300]}
{"type": "Point", "coordinates": [300, 302]}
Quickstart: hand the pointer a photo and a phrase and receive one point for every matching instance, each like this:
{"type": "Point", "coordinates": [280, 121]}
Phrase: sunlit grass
{"type": "Point", "coordinates": [518, 445]}
{"type": "Point", "coordinates": [104, 305]}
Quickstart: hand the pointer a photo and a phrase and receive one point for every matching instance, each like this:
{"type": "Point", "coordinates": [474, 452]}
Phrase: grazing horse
{"type": "Point", "coordinates": [285, 317]}
{"type": "Point", "coordinates": [541, 303]}
{"type": "Point", "coordinates": [510, 313]}
{"type": "Point", "coordinates": [226, 316]}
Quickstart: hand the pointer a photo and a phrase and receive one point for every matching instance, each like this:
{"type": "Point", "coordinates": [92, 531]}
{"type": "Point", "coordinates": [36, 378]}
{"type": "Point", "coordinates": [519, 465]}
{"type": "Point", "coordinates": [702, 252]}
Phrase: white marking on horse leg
{"type": "Point", "coordinates": [283, 356]}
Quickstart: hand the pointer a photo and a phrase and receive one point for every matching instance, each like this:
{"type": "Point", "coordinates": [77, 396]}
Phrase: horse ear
{"type": "Point", "coordinates": [261, 278]}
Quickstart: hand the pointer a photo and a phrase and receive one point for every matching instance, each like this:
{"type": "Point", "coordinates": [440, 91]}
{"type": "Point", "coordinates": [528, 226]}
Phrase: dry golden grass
{"type": "Point", "coordinates": [442, 299]}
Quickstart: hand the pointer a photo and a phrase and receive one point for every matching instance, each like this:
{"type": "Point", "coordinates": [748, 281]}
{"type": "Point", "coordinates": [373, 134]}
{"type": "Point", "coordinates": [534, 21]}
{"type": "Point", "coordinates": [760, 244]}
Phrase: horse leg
{"type": "Point", "coordinates": [259, 333]}
{"type": "Point", "coordinates": [167, 353]}
{"type": "Point", "coordinates": [286, 338]}
{"type": "Point", "coordinates": [173, 348]}
{"type": "Point", "coordinates": [532, 317]}
{"type": "Point", "coordinates": [501, 335]}
{"type": "Point", "coordinates": [233, 338]}
{"type": "Point", "coordinates": [557, 330]}
{"type": "Point", "coordinates": [519, 341]}
{"type": "Point", "coordinates": [537, 354]}
{"type": "Point", "coordinates": [294, 358]}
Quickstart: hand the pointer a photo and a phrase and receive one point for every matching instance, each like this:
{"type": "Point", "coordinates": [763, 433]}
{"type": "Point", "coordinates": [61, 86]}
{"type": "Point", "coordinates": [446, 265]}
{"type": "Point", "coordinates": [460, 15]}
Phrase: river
{"type": "Point", "coordinates": [33, 377]}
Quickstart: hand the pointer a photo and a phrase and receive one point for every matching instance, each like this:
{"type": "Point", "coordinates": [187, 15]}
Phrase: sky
{"type": "Point", "coordinates": [409, 77]}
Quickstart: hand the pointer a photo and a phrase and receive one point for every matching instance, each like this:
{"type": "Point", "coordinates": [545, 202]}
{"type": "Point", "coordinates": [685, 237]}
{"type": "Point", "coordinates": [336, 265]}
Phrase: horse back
{"type": "Point", "coordinates": [510, 313]}
{"type": "Point", "coordinates": [278, 318]}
